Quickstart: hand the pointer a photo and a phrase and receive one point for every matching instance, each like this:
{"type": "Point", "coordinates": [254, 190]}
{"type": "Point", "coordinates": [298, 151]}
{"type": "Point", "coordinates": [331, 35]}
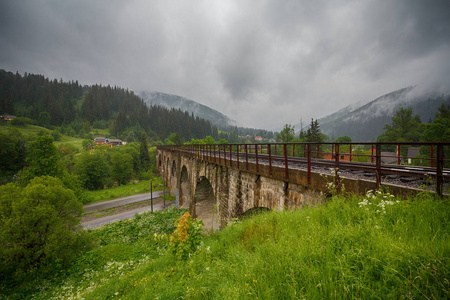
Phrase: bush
{"type": "Point", "coordinates": [39, 226]}
{"type": "Point", "coordinates": [92, 169]}
{"type": "Point", "coordinates": [21, 121]}
{"type": "Point", "coordinates": [121, 167]}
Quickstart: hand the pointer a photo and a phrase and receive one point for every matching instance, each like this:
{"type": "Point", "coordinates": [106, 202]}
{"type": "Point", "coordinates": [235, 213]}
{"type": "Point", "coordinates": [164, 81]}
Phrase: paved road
{"type": "Point", "coordinates": [120, 201]}
{"type": "Point", "coordinates": [122, 216]}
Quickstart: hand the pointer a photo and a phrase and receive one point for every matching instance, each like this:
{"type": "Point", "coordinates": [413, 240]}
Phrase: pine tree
{"type": "Point", "coordinates": [143, 153]}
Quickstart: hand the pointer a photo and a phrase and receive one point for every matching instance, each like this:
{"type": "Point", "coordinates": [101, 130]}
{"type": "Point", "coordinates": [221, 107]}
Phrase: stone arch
{"type": "Point", "coordinates": [206, 206]}
{"type": "Point", "coordinates": [185, 189]}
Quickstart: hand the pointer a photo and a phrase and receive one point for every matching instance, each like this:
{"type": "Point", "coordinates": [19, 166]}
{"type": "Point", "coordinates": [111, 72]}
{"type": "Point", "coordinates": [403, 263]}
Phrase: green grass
{"type": "Point", "coordinates": [124, 190]}
{"type": "Point", "coordinates": [30, 132]}
{"type": "Point", "coordinates": [101, 132]}
{"type": "Point", "coordinates": [65, 139]}
{"type": "Point", "coordinates": [342, 250]}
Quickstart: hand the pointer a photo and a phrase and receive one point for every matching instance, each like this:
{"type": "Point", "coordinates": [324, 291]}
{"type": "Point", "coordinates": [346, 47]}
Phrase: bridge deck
{"type": "Point", "coordinates": [403, 169]}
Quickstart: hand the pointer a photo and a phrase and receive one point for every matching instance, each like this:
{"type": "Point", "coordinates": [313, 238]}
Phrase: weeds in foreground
{"type": "Point", "coordinates": [186, 239]}
{"type": "Point", "coordinates": [339, 251]}
{"type": "Point", "coordinates": [334, 185]}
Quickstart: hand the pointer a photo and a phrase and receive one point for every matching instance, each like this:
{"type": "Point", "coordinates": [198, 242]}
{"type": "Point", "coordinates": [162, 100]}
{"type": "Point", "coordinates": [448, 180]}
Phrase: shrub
{"type": "Point", "coordinates": [21, 121]}
{"type": "Point", "coordinates": [38, 226]}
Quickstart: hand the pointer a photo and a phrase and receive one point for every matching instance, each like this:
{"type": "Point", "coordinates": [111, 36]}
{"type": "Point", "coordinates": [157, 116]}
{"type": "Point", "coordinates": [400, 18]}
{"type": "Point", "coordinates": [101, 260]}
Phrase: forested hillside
{"type": "Point", "coordinates": [77, 109]}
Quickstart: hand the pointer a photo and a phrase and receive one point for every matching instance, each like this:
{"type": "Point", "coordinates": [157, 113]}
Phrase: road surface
{"type": "Point", "coordinates": [122, 216]}
{"type": "Point", "coordinates": [120, 201]}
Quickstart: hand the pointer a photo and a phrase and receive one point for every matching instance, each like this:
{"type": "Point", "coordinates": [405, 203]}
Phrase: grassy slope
{"type": "Point", "coordinates": [338, 251]}
{"type": "Point", "coordinates": [124, 190]}
{"type": "Point", "coordinates": [30, 132]}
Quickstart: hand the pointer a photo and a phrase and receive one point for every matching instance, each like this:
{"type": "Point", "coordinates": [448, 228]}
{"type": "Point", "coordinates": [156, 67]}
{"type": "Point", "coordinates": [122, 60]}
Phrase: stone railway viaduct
{"type": "Point", "coordinates": [218, 190]}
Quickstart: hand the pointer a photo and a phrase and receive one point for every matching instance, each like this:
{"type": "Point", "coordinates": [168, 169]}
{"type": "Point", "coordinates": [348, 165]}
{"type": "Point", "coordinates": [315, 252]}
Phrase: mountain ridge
{"type": "Point", "coordinates": [185, 104]}
{"type": "Point", "coordinates": [364, 122]}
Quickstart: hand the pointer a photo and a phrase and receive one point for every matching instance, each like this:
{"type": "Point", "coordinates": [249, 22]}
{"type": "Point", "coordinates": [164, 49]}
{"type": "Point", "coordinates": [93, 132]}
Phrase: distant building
{"type": "Point", "coordinates": [7, 117]}
{"type": "Point", "coordinates": [106, 141]}
{"type": "Point", "coordinates": [389, 158]}
{"type": "Point", "coordinates": [100, 140]}
{"type": "Point", "coordinates": [413, 152]}
{"type": "Point", "coordinates": [114, 142]}
{"type": "Point", "coordinates": [258, 138]}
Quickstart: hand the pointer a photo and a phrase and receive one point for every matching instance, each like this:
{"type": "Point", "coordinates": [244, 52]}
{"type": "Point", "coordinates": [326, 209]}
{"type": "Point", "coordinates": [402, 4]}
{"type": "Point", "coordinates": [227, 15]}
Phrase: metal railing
{"type": "Point", "coordinates": [425, 160]}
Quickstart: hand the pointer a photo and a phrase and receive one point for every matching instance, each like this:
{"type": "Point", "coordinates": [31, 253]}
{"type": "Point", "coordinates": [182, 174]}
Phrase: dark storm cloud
{"type": "Point", "coordinates": [264, 63]}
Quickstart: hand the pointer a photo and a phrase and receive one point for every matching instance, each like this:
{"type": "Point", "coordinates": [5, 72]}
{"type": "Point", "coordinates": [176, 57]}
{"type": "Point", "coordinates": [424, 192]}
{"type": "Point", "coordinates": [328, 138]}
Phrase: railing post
{"type": "Point", "coordinates": [378, 164]}
{"type": "Point", "coordinates": [231, 155]}
{"type": "Point", "coordinates": [439, 168]}
{"type": "Point", "coordinates": [431, 158]}
{"type": "Point", "coordinates": [256, 157]}
{"type": "Point", "coordinates": [350, 149]}
{"type": "Point", "coordinates": [336, 167]}
{"type": "Point", "coordinates": [237, 155]}
{"type": "Point", "coordinates": [224, 156]}
{"type": "Point", "coordinates": [210, 153]}
{"type": "Point", "coordinates": [398, 154]}
{"type": "Point", "coordinates": [286, 167]}
{"type": "Point", "coordinates": [332, 150]}
{"type": "Point", "coordinates": [371, 156]}
{"type": "Point", "coordinates": [318, 150]}
{"type": "Point", "coordinates": [293, 150]}
{"type": "Point", "coordinates": [218, 146]}
{"type": "Point", "coordinates": [270, 158]}
{"type": "Point", "coordinates": [246, 157]}
{"type": "Point", "coordinates": [309, 163]}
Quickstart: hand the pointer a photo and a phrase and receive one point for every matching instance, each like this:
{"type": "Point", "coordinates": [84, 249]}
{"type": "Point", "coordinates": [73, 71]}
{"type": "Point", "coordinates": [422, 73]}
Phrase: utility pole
{"type": "Point", "coordinates": [151, 194]}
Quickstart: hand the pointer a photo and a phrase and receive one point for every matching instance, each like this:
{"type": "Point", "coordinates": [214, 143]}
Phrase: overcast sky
{"type": "Point", "coordinates": [262, 63]}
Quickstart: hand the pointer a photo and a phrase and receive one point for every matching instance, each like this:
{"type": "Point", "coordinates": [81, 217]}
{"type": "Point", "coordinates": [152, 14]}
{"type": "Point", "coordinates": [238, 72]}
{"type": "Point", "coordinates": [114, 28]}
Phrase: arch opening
{"type": "Point", "coordinates": [185, 189]}
{"type": "Point", "coordinates": [206, 207]}
{"type": "Point", "coordinates": [174, 168]}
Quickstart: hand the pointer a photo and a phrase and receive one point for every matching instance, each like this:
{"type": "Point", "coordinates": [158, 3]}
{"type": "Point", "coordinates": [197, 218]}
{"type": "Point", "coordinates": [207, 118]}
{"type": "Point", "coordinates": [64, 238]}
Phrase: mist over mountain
{"type": "Point", "coordinates": [199, 110]}
{"type": "Point", "coordinates": [365, 122]}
